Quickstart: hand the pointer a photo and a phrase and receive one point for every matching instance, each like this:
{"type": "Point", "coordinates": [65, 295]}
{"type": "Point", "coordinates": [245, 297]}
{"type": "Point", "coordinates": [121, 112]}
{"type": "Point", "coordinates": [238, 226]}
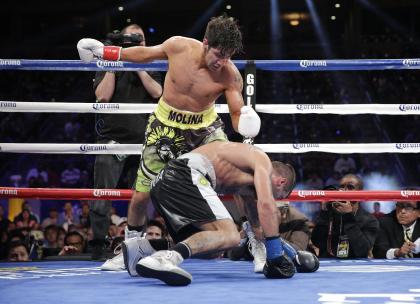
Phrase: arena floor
{"type": "Point", "coordinates": [215, 281]}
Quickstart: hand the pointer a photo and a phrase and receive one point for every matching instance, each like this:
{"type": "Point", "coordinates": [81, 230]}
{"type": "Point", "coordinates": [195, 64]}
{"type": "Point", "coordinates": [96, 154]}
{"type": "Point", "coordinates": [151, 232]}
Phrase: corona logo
{"type": "Point", "coordinates": [312, 63]}
{"type": "Point", "coordinates": [305, 193]}
{"type": "Point", "coordinates": [100, 193]}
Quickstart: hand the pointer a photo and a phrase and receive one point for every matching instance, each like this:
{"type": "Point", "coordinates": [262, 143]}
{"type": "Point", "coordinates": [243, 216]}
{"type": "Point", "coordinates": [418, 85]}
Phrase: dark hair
{"type": "Point", "coordinates": [286, 171]}
{"type": "Point", "coordinates": [357, 178]}
{"type": "Point", "coordinates": [51, 227]}
{"type": "Point", "coordinates": [223, 33]}
{"type": "Point", "coordinates": [136, 26]}
{"type": "Point", "coordinates": [15, 244]}
{"type": "Point", "coordinates": [155, 223]}
{"type": "Point", "coordinates": [72, 233]}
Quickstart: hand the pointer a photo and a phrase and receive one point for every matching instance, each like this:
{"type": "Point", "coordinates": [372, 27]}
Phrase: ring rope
{"type": "Point", "coordinates": [124, 108]}
{"type": "Point", "coordinates": [125, 194]}
{"type": "Point", "coordinates": [162, 65]}
{"type": "Point", "coordinates": [135, 149]}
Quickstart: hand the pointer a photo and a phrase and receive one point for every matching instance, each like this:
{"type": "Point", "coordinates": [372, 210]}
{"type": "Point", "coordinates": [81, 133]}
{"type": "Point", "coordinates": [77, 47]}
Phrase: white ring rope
{"type": "Point", "coordinates": [269, 148]}
{"type": "Point", "coordinates": [124, 108]}
{"type": "Point", "coordinates": [291, 65]}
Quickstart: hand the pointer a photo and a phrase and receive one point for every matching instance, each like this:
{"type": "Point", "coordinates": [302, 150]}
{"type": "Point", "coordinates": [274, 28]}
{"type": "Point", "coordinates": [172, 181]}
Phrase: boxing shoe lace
{"type": "Point", "coordinates": [131, 234]}
{"type": "Point", "coordinates": [257, 249]}
{"type": "Point", "coordinates": [117, 249]}
{"type": "Point", "coordinates": [133, 250]}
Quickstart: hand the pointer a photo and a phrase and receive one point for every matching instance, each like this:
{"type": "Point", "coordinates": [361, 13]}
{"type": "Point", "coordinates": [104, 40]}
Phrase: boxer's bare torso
{"type": "Point", "coordinates": [197, 75]}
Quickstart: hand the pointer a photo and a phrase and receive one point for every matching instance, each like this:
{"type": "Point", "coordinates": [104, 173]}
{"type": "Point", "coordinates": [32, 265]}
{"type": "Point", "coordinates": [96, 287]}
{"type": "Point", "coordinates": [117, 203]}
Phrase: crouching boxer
{"type": "Point", "coordinates": [185, 195]}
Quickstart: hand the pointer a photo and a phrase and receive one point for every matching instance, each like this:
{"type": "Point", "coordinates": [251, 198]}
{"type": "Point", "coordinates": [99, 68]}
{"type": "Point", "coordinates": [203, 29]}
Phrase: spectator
{"type": "Point", "coordinates": [27, 206]}
{"type": "Point", "coordinates": [4, 221]}
{"type": "Point", "coordinates": [26, 221]}
{"type": "Point", "coordinates": [333, 180]}
{"type": "Point", "coordinates": [74, 244]}
{"type": "Point", "coordinates": [68, 216]}
{"type": "Point", "coordinates": [70, 178]}
{"type": "Point", "coordinates": [343, 230]}
{"type": "Point", "coordinates": [15, 180]}
{"type": "Point", "coordinates": [399, 233]}
{"type": "Point", "coordinates": [60, 237]}
{"type": "Point", "coordinates": [115, 218]}
{"type": "Point", "coordinates": [294, 226]}
{"type": "Point", "coordinates": [377, 210]}
{"type": "Point", "coordinates": [345, 164]}
{"type": "Point", "coordinates": [52, 218]}
{"type": "Point", "coordinates": [155, 230]}
{"type": "Point", "coordinates": [18, 252]}
{"type": "Point", "coordinates": [314, 181]}
{"type": "Point", "coordinates": [37, 177]}
{"type": "Point", "coordinates": [84, 221]}
{"type": "Point", "coordinates": [51, 236]}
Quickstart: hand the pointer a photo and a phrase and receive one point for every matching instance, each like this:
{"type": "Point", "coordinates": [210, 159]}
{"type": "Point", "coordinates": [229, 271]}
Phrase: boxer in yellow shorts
{"type": "Point", "coordinates": [171, 133]}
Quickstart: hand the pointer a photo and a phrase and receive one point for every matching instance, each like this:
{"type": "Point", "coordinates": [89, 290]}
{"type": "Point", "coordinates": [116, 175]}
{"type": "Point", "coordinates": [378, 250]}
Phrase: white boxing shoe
{"type": "Point", "coordinates": [114, 264]}
{"type": "Point", "coordinates": [163, 265]}
{"type": "Point", "coordinates": [117, 262]}
{"type": "Point", "coordinates": [133, 250]}
{"type": "Point", "coordinates": [258, 251]}
{"type": "Point", "coordinates": [256, 247]}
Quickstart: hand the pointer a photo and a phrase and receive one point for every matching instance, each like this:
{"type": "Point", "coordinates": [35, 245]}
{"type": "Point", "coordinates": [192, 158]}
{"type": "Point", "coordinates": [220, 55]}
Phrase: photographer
{"type": "Point", "coordinates": [343, 229]}
{"type": "Point", "coordinates": [119, 87]}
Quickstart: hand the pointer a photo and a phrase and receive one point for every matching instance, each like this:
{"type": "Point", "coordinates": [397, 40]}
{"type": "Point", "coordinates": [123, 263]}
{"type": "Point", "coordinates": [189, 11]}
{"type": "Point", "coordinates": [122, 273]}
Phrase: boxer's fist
{"type": "Point", "coordinates": [306, 261]}
{"type": "Point", "coordinates": [281, 267]}
{"type": "Point", "coordinates": [90, 48]}
{"type": "Point", "coordinates": [249, 122]}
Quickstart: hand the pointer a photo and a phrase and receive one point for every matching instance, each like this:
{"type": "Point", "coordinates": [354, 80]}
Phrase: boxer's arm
{"type": "Point", "coordinates": [143, 53]}
{"type": "Point", "coordinates": [267, 214]}
{"type": "Point", "coordinates": [245, 120]}
{"type": "Point", "coordinates": [234, 98]}
{"type": "Point", "coordinates": [171, 46]}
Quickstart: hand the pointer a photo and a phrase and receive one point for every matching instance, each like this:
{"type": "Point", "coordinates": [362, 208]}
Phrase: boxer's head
{"type": "Point", "coordinates": [283, 179]}
{"type": "Point", "coordinates": [221, 40]}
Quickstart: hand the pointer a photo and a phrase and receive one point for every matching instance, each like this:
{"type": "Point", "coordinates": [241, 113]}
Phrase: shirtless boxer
{"type": "Point", "coordinates": [198, 73]}
{"type": "Point", "coordinates": [184, 193]}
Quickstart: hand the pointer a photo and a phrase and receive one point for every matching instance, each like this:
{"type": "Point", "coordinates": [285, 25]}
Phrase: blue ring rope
{"type": "Point", "coordinates": [266, 65]}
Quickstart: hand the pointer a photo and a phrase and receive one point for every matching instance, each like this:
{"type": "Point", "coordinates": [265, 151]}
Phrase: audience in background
{"type": "Point", "coordinates": [343, 230]}
{"type": "Point", "coordinates": [377, 210]}
{"type": "Point", "coordinates": [399, 233]}
{"type": "Point", "coordinates": [52, 218]}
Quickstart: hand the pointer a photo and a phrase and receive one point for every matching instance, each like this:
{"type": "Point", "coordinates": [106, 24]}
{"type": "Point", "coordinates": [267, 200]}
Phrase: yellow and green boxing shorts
{"type": "Point", "coordinates": [170, 133]}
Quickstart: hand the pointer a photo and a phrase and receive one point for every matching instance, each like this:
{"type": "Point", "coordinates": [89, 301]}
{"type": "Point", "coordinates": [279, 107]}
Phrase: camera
{"type": "Point", "coordinates": [335, 204]}
{"type": "Point", "coordinates": [124, 40]}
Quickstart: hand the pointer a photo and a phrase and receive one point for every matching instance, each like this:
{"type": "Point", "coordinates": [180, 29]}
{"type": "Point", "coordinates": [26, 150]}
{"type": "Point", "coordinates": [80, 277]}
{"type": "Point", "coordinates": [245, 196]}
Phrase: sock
{"type": "Point", "coordinates": [183, 249]}
{"type": "Point", "coordinates": [135, 228]}
{"type": "Point", "coordinates": [159, 244]}
{"type": "Point", "coordinates": [288, 249]}
{"type": "Point", "coordinates": [274, 247]}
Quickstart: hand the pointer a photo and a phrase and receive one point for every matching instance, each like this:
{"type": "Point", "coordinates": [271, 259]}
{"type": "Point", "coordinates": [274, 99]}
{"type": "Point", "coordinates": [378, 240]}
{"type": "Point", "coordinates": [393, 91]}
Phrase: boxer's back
{"type": "Point", "coordinates": [232, 162]}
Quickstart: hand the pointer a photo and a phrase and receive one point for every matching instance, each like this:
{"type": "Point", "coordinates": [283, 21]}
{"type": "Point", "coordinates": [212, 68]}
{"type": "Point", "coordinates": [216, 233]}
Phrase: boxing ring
{"type": "Point", "coordinates": [337, 281]}
{"type": "Point", "coordinates": [214, 281]}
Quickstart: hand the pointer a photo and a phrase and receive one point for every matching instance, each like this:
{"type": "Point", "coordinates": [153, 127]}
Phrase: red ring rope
{"type": "Point", "coordinates": [124, 194]}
